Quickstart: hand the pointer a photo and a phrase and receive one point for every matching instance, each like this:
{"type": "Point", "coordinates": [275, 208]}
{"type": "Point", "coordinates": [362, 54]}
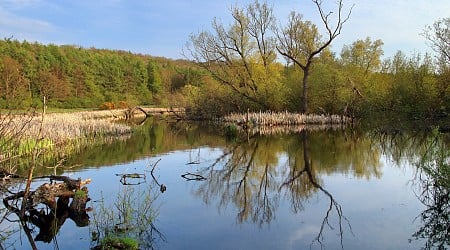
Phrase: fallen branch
{"type": "Point", "coordinates": [162, 187]}
{"type": "Point", "coordinates": [125, 177]}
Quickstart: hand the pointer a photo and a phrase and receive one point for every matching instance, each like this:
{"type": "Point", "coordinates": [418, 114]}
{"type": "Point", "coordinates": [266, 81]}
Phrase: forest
{"type": "Point", "coordinates": [247, 65]}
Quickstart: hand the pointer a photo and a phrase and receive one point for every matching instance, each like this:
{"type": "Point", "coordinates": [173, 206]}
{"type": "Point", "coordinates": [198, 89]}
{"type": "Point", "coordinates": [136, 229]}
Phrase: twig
{"type": "Point", "coordinates": [162, 187]}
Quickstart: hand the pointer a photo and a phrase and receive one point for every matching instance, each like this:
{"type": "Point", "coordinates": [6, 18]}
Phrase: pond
{"type": "Point", "coordinates": [175, 185]}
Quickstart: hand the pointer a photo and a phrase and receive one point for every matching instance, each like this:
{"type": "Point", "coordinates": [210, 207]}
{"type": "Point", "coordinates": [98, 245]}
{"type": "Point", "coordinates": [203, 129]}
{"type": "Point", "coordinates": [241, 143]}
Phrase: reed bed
{"type": "Point", "coordinates": [281, 130]}
{"type": "Point", "coordinates": [283, 119]}
{"type": "Point", "coordinates": [61, 127]}
{"type": "Point", "coordinates": [58, 134]}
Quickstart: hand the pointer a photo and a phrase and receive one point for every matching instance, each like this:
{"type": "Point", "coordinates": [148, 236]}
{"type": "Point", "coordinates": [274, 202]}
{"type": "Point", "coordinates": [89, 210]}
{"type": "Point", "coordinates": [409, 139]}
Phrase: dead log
{"type": "Point", "coordinates": [129, 113]}
{"type": "Point", "coordinates": [56, 196]}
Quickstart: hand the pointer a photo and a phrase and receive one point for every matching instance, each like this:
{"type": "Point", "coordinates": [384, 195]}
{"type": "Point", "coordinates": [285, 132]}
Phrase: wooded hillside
{"type": "Point", "coordinates": [357, 82]}
{"type": "Point", "coordinates": [75, 77]}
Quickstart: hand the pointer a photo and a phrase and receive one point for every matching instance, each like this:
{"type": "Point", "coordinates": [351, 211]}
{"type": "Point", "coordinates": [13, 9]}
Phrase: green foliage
{"type": "Point", "coordinates": [119, 243]}
{"type": "Point", "coordinates": [154, 77]}
{"type": "Point", "coordinates": [231, 131]}
{"type": "Point", "coordinates": [363, 54]}
{"type": "Point", "coordinates": [75, 77]}
{"type": "Point", "coordinates": [357, 83]}
{"type": "Point", "coordinates": [79, 194]}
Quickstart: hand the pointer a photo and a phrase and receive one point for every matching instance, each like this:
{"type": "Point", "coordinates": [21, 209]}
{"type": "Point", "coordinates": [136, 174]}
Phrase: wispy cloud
{"type": "Point", "coordinates": [18, 4]}
{"type": "Point", "coordinates": [398, 23]}
{"type": "Point", "coordinates": [162, 27]}
{"type": "Point", "coordinates": [22, 27]}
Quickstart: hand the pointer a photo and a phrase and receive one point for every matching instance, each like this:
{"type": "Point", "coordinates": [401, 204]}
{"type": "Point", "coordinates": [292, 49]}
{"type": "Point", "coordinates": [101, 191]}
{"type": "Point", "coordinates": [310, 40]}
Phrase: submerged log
{"type": "Point", "coordinates": [66, 199]}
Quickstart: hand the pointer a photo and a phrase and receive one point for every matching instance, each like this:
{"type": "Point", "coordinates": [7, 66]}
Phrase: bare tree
{"type": "Point", "coordinates": [300, 41]}
{"type": "Point", "coordinates": [438, 37]}
{"type": "Point", "coordinates": [233, 54]}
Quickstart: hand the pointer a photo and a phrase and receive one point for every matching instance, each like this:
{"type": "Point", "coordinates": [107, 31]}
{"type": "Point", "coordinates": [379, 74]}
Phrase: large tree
{"type": "Point", "coordinates": [242, 55]}
{"type": "Point", "coordinates": [300, 41]}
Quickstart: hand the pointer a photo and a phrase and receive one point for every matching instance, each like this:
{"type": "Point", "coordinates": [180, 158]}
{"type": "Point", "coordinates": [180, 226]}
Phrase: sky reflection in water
{"type": "Point", "coordinates": [261, 193]}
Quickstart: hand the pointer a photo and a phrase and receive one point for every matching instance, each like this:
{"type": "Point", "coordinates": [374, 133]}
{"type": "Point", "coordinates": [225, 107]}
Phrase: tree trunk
{"type": "Point", "coordinates": [305, 90]}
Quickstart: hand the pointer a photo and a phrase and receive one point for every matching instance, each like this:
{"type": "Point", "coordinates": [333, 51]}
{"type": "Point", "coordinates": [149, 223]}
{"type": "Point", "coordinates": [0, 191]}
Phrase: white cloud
{"type": "Point", "coordinates": [22, 27]}
{"type": "Point", "coordinates": [18, 4]}
{"type": "Point", "coordinates": [305, 232]}
{"type": "Point", "coordinates": [398, 23]}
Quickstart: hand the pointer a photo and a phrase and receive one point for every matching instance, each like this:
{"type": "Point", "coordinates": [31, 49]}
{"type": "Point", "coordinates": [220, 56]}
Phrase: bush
{"type": "Point", "coordinates": [107, 106]}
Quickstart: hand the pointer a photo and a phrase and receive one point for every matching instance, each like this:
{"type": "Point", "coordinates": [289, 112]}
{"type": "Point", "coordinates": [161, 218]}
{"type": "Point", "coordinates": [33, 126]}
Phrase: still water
{"type": "Point", "coordinates": [186, 186]}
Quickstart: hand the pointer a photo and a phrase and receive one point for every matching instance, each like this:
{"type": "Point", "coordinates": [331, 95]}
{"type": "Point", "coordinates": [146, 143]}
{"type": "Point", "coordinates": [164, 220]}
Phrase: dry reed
{"type": "Point", "coordinates": [283, 119]}
{"type": "Point", "coordinates": [63, 127]}
{"type": "Point", "coordinates": [281, 130]}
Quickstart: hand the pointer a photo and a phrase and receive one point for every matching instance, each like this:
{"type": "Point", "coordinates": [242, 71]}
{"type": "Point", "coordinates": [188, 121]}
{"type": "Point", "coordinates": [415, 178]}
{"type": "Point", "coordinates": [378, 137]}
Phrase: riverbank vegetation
{"type": "Point", "coordinates": [38, 138]}
{"type": "Point", "coordinates": [358, 81]}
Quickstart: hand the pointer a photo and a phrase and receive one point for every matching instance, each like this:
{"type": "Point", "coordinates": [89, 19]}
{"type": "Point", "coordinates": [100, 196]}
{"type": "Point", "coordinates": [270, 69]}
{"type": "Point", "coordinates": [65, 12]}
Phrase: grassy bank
{"type": "Point", "coordinates": [54, 135]}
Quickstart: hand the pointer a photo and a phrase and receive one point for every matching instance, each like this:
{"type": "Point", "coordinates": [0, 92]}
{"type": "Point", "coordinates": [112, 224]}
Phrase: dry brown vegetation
{"type": "Point", "coordinates": [284, 119]}
{"type": "Point", "coordinates": [32, 137]}
{"type": "Point", "coordinates": [63, 127]}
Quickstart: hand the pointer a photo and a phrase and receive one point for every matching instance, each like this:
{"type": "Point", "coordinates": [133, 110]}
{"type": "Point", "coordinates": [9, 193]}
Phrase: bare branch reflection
{"type": "Point", "coordinates": [255, 174]}
{"type": "Point", "coordinates": [306, 177]}
{"type": "Point", "coordinates": [434, 182]}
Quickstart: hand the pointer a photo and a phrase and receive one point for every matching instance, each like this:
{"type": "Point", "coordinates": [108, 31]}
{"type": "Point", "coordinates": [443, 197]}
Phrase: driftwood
{"type": "Point", "coordinates": [64, 198]}
{"type": "Point", "coordinates": [124, 178]}
{"type": "Point", "coordinates": [129, 113]}
{"type": "Point", "coordinates": [162, 187]}
{"type": "Point", "coordinates": [147, 112]}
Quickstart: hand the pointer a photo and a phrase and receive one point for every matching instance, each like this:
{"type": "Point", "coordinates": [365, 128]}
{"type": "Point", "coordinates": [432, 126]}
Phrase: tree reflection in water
{"type": "Point", "coordinates": [311, 179]}
{"type": "Point", "coordinates": [249, 175]}
{"type": "Point", "coordinates": [430, 153]}
{"type": "Point", "coordinates": [434, 183]}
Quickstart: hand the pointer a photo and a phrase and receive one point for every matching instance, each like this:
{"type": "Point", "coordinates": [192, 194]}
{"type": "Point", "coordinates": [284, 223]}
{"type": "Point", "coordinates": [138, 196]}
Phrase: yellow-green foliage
{"type": "Point", "coordinates": [80, 194]}
{"type": "Point", "coordinates": [29, 145]}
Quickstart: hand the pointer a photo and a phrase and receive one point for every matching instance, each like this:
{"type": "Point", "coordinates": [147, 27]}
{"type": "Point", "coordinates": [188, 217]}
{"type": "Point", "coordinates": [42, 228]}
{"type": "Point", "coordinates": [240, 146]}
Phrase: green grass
{"type": "Point", "coordinates": [114, 242]}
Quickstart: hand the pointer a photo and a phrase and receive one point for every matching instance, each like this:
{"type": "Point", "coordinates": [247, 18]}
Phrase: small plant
{"type": "Point", "coordinates": [128, 223]}
{"type": "Point", "coordinates": [79, 194]}
{"type": "Point", "coordinates": [231, 130]}
{"type": "Point", "coordinates": [119, 243]}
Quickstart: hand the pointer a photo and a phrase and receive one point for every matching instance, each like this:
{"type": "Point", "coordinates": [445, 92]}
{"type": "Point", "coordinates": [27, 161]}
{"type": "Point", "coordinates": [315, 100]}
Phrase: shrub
{"type": "Point", "coordinates": [107, 106]}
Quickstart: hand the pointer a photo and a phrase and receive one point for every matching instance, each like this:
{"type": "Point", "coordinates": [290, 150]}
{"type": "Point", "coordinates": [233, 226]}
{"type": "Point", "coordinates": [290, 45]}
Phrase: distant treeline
{"type": "Point", "coordinates": [357, 82]}
{"type": "Point", "coordinates": [75, 77]}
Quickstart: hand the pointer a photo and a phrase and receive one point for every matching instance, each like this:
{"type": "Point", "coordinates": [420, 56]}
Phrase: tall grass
{"type": "Point", "coordinates": [283, 119]}
{"type": "Point", "coordinates": [57, 135]}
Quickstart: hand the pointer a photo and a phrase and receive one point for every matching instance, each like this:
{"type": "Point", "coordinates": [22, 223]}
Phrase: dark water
{"type": "Point", "coordinates": [332, 189]}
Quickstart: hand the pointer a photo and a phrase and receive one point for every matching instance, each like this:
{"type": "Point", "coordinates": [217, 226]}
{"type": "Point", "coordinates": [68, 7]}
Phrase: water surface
{"type": "Point", "coordinates": [333, 189]}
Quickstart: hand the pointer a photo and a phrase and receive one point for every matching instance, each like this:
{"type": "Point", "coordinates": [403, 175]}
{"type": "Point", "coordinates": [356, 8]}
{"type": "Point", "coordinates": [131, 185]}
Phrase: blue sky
{"type": "Point", "coordinates": [161, 28]}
